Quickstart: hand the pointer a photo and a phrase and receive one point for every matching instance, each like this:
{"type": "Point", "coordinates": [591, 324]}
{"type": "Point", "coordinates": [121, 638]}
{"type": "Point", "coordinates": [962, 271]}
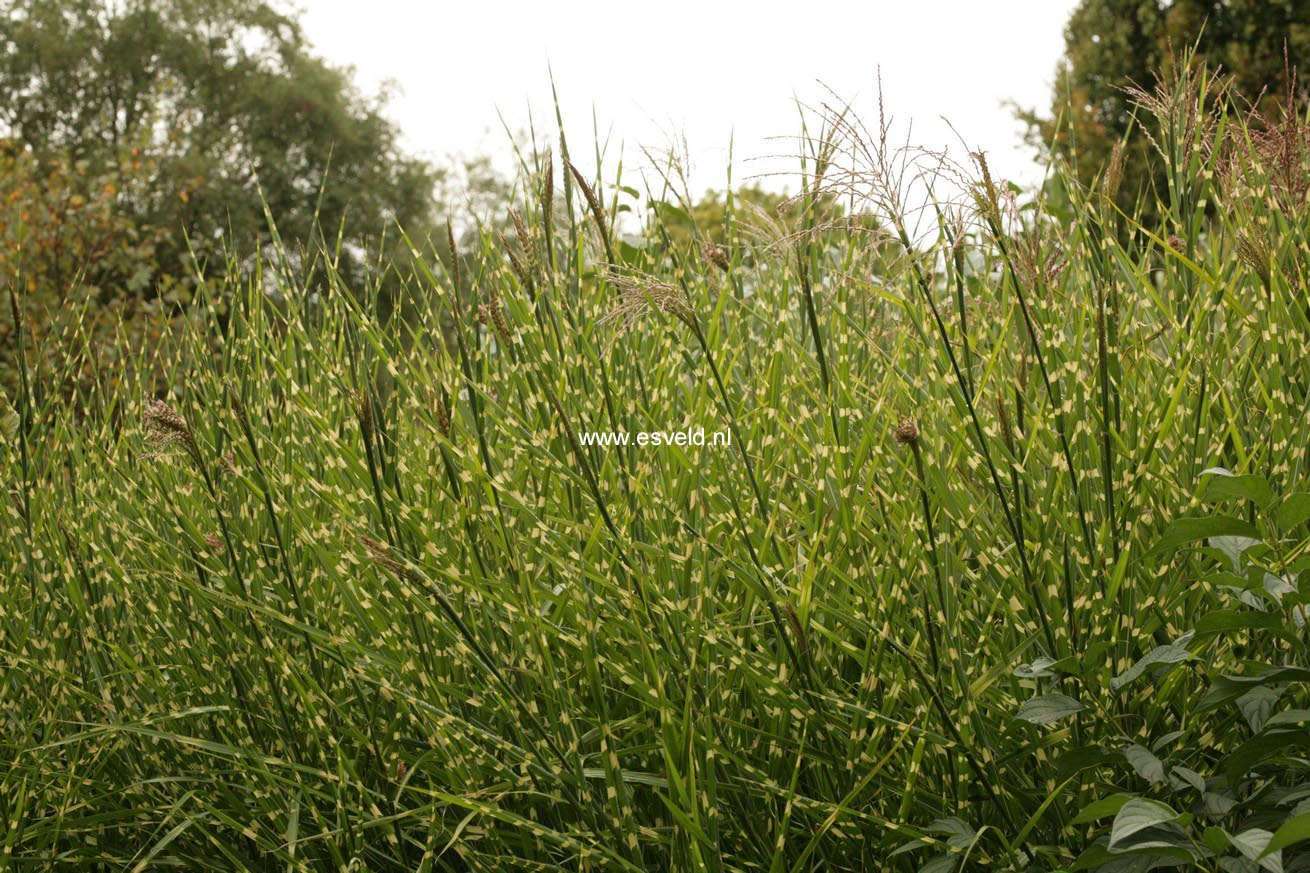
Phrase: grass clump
{"type": "Point", "coordinates": [356, 595]}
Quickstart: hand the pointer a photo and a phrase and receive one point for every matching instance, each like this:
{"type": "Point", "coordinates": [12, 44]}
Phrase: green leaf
{"type": "Point", "coordinates": [1294, 511]}
{"type": "Point", "coordinates": [1215, 839]}
{"type": "Point", "coordinates": [1234, 547]}
{"type": "Point", "coordinates": [1188, 776]}
{"type": "Point", "coordinates": [662, 207]}
{"type": "Point", "coordinates": [958, 833]}
{"type": "Point", "coordinates": [1294, 830]}
{"type": "Point", "coordinates": [1148, 856]}
{"type": "Point", "coordinates": [1169, 654]}
{"type": "Point", "coordinates": [1267, 748]}
{"type": "Point", "coordinates": [1253, 844]}
{"type": "Point", "coordinates": [1217, 803]}
{"type": "Point", "coordinates": [1048, 708]}
{"type": "Point", "coordinates": [1039, 668]}
{"type": "Point", "coordinates": [1190, 529]}
{"type": "Point", "coordinates": [1291, 716]}
{"type": "Point", "coordinates": [1094, 658]}
{"type": "Point", "coordinates": [911, 846]}
{"type": "Point", "coordinates": [1226, 689]}
{"type": "Point", "coordinates": [1147, 765]}
{"type": "Point", "coordinates": [940, 864]}
{"type": "Point", "coordinates": [1084, 758]}
{"type": "Point", "coordinates": [1136, 816]}
{"type": "Point", "coordinates": [1256, 705]}
{"type": "Point", "coordinates": [1099, 809]}
{"type": "Point", "coordinates": [1222, 621]}
{"type": "Point", "coordinates": [1220, 484]}
{"type": "Point", "coordinates": [630, 254]}
{"type": "Point", "coordinates": [1165, 739]}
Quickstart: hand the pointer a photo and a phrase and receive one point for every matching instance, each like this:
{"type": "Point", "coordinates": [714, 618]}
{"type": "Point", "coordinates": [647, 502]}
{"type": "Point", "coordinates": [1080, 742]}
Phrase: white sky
{"type": "Point", "coordinates": [713, 71]}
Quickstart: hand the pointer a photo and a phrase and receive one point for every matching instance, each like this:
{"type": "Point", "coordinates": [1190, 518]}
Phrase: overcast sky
{"type": "Point", "coordinates": [714, 72]}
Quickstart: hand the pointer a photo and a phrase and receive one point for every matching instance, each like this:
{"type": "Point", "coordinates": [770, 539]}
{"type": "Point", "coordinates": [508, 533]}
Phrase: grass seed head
{"type": "Point", "coordinates": [454, 256]}
{"type": "Point", "coordinates": [548, 189]}
{"type": "Point", "coordinates": [716, 255]}
{"type": "Point", "coordinates": [1114, 174]}
{"type": "Point", "coordinates": [166, 428]}
{"type": "Point", "coordinates": [594, 204]}
{"type": "Point", "coordinates": [1254, 250]}
{"type": "Point", "coordinates": [381, 555]}
{"type": "Point", "coordinates": [494, 311]}
{"type": "Point", "coordinates": [515, 262]}
{"type": "Point", "coordinates": [907, 432]}
{"type": "Point", "coordinates": [364, 413]}
{"type": "Point", "coordinates": [443, 417]}
{"type": "Point", "coordinates": [525, 241]}
{"type": "Point", "coordinates": [640, 296]}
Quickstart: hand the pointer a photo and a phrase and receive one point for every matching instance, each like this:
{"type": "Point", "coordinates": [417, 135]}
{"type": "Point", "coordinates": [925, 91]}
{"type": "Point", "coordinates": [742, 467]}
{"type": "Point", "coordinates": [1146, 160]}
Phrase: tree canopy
{"type": "Point", "coordinates": [229, 106]}
{"type": "Point", "coordinates": [1111, 45]}
{"type": "Point", "coordinates": [142, 142]}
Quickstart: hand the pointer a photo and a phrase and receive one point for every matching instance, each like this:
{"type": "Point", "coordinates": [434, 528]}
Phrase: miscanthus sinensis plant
{"type": "Point", "coordinates": [355, 595]}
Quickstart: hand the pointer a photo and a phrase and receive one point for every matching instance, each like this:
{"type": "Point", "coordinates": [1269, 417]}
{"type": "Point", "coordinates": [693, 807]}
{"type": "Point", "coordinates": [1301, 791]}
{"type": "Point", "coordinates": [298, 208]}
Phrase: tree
{"type": "Point", "coordinates": [225, 101]}
{"type": "Point", "coordinates": [720, 225]}
{"type": "Point", "coordinates": [79, 266]}
{"type": "Point", "coordinates": [707, 222]}
{"type": "Point", "coordinates": [1111, 45]}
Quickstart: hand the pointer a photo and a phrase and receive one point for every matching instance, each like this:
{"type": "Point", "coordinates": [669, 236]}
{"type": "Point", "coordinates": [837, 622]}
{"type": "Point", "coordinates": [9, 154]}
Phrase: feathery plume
{"type": "Point", "coordinates": [639, 297]}
{"type": "Point", "coordinates": [1114, 175]}
{"type": "Point", "coordinates": [166, 428]}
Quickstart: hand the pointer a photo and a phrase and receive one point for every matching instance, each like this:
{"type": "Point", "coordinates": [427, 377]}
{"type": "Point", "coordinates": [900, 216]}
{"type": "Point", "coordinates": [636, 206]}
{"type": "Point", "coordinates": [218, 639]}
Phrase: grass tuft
{"type": "Point", "coordinates": [387, 610]}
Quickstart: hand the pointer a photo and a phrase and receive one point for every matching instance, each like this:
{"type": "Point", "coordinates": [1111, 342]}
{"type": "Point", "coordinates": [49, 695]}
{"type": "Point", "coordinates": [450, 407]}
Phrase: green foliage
{"type": "Point", "coordinates": [231, 112]}
{"type": "Point", "coordinates": [722, 226]}
{"type": "Point", "coordinates": [1112, 46]}
{"type": "Point", "coordinates": [85, 274]}
{"type": "Point", "coordinates": [952, 599]}
{"type": "Point", "coordinates": [710, 220]}
{"type": "Point", "coordinates": [1233, 761]}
